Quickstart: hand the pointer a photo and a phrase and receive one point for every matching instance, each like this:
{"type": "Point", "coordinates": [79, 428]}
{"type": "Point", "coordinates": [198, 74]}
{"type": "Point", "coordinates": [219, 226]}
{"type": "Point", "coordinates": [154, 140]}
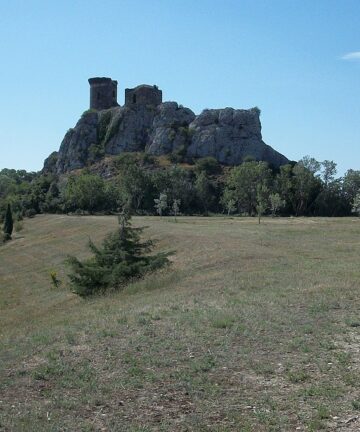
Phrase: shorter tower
{"type": "Point", "coordinates": [103, 93]}
{"type": "Point", "coordinates": [143, 95]}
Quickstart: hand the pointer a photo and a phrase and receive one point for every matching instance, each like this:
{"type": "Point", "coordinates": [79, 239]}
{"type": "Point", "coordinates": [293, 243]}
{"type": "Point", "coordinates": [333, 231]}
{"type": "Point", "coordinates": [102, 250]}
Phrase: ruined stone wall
{"type": "Point", "coordinates": [143, 95]}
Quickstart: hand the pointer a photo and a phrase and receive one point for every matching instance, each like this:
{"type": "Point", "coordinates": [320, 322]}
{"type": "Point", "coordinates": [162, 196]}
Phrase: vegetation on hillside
{"type": "Point", "coordinates": [306, 188]}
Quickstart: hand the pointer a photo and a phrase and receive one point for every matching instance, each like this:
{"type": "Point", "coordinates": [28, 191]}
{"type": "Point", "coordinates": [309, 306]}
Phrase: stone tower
{"type": "Point", "coordinates": [103, 93]}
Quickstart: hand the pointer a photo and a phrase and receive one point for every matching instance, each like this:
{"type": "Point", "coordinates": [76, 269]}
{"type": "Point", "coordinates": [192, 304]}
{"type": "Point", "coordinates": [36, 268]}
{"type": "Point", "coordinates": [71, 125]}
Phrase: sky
{"type": "Point", "coordinates": [297, 60]}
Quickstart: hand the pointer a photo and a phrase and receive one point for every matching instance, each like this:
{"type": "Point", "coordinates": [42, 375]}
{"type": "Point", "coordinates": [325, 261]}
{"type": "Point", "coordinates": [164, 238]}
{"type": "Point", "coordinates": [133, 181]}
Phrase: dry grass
{"type": "Point", "coordinates": [254, 328]}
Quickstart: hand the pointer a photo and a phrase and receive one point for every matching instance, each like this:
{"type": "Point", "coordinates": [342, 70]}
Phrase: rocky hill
{"type": "Point", "coordinates": [228, 134]}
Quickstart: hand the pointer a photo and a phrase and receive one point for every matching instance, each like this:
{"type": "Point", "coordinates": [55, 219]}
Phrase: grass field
{"type": "Point", "coordinates": [252, 328]}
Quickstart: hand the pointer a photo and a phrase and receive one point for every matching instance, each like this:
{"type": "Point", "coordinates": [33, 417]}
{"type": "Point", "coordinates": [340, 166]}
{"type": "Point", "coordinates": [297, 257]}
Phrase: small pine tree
{"type": "Point", "coordinates": [121, 258]}
{"type": "Point", "coordinates": [8, 223]}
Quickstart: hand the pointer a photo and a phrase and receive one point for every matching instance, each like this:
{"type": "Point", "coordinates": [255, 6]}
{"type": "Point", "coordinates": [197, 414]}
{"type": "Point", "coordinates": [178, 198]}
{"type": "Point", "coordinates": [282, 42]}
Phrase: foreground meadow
{"type": "Point", "coordinates": [252, 328]}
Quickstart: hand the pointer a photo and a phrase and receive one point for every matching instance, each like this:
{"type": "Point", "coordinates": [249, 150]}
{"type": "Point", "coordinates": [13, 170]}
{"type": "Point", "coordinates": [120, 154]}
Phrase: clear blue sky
{"type": "Point", "coordinates": [297, 60]}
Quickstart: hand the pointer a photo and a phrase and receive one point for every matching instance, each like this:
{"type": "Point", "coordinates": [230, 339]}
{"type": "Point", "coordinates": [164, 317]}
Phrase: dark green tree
{"type": "Point", "coordinates": [330, 200]}
{"type": "Point", "coordinates": [8, 223]}
{"type": "Point", "coordinates": [84, 192]}
{"type": "Point", "coordinates": [121, 258]}
{"type": "Point", "coordinates": [307, 185]}
{"type": "Point", "coordinates": [284, 185]}
{"type": "Point", "coordinates": [204, 191]}
{"type": "Point", "coordinates": [242, 185]}
{"type": "Point", "coordinates": [351, 186]}
{"type": "Point", "coordinates": [176, 183]}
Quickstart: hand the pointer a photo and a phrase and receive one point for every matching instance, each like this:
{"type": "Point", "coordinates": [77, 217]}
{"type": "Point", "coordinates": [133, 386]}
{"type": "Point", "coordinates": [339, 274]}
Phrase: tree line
{"type": "Point", "coordinates": [142, 186]}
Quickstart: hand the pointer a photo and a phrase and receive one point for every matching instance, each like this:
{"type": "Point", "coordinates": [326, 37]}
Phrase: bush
{"type": "Point", "coordinates": [121, 258]}
{"type": "Point", "coordinates": [209, 165]}
{"type": "Point", "coordinates": [148, 159]}
{"type": "Point", "coordinates": [125, 159]}
{"type": "Point", "coordinates": [175, 158]}
{"type": "Point", "coordinates": [18, 226]}
{"type": "Point", "coordinates": [30, 213]}
{"type": "Point", "coordinates": [55, 281]}
{"type": "Point", "coordinates": [18, 216]}
{"type": "Point", "coordinates": [85, 192]}
{"type": "Point", "coordinates": [4, 237]}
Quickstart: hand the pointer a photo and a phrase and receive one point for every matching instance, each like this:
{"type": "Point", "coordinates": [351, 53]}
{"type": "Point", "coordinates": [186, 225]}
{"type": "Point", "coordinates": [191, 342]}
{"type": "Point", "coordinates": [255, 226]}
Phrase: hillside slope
{"type": "Point", "coordinates": [254, 328]}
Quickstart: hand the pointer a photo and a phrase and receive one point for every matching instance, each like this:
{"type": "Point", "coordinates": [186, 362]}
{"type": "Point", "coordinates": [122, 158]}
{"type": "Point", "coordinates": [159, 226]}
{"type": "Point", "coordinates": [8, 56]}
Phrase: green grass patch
{"type": "Point", "coordinates": [251, 328]}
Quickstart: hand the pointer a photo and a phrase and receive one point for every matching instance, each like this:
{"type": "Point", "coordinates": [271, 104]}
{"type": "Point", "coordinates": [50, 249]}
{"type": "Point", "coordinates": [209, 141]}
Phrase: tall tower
{"type": "Point", "coordinates": [103, 93]}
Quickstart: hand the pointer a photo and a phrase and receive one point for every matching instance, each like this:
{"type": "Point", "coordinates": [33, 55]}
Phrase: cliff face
{"type": "Point", "coordinates": [227, 134]}
{"type": "Point", "coordinates": [230, 135]}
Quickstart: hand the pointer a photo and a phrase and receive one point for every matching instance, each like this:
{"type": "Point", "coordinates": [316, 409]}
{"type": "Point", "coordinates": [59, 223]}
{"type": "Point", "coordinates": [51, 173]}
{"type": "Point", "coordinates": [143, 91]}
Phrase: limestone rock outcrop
{"type": "Point", "coordinates": [170, 131]}
{"type": "Point", "coordinates": [74, 149]}
{"type": "Point", "coordinates": [227, 134]}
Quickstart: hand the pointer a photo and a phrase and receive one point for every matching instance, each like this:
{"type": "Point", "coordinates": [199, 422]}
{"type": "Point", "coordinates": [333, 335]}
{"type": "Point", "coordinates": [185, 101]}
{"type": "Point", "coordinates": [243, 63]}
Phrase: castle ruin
{"type": "Point", "coordinates": [103, 94]}
{"type": "Point", "coordinates": [146, 124]}
{"type": "Point", "coordinates": [143, 95]}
